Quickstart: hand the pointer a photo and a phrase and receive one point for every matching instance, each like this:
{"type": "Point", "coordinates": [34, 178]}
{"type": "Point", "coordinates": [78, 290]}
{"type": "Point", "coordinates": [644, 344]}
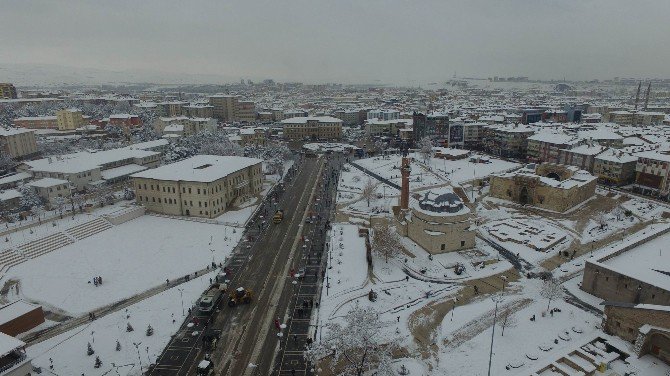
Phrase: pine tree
{"type": "Point", "coordinates": [90, 350]}
{"type": "Point", "coordinates": [118, 345]}
{"type": "Point", "coordinates": [98, 362]}
{"type": "Point", "coordinates": [129, 328]}
{"type": "Point", "coordinates": [150, 331]}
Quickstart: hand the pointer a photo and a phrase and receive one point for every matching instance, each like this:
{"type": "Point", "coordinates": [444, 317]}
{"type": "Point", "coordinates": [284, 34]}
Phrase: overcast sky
{"type": "Point", "coordinates": [345, 40]}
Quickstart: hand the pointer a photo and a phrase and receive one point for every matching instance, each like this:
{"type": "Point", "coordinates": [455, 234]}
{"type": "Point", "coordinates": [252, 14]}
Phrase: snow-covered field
{"type": "Point", "coordinates": [132, 257]}
{"type": "Point", "coordinates": [163, 312]}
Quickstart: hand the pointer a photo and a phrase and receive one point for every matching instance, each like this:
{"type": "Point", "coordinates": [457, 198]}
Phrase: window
{"type": "Point", "coordinates": [443, 247]}
{"type": "Point", "coordinates": [198, 190]}
{"type": "Point", "coordinates": [189, 190]}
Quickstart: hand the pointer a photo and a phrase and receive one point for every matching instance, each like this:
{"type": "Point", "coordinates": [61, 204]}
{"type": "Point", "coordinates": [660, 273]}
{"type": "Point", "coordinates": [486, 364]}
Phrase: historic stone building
{"type": "Point", "coordinates": [548, 186]}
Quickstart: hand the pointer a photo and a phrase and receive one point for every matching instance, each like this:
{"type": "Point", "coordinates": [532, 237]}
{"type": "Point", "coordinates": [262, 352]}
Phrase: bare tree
{"type": "Point", "coordinates": [551, 289]}
{"type": "Point", "coordinates": [601, 220]}
{"type": "Point", "coordinates": [368, 191]}
{"type": "Point", "coordinates": [506, 318]}
{"type": "Point", "coordinates": [426, 149]}
{"type": "Point", "coordinates": [386, 241]}
{"type": "Point", "coordinates": [356, 346]}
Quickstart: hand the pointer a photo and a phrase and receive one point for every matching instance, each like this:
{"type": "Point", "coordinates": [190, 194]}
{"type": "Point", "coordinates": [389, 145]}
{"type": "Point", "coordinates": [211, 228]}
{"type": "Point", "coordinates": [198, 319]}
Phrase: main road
{"type": "Point", "coordinates": [248, 340]}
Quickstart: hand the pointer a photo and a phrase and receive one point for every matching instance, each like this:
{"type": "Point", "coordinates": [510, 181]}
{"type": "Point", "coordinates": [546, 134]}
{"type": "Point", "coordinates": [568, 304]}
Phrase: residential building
{"type": "Point", "coordinates": [18, 143]}
{"type": "Point", "coordinates": [183, 126]}
{"type": "Point", "coordinates": [615, 167]}
{"type": "Point", "coordinates": [313, 127]}
{"type": "Point", "coordinates": [472, 135]}
{"type": "Point", "coordinates": [252, 136]}
{"type": "Point", "coordinates": [434, 125]}
{"type": "Point", "coordinates": [49, 188]}
{"type": "Point", "coordinates": [509, 140]}
{"type": "Point", "coordinates": [231, 108]}
{"type": "Point", "coordinates": [544, 146]}
{"type": "Point", "coordinates": [201, 186]}
{"type": "Point", "coordinates": [652, 170]}
{"type": "Point", "coordinates": [70, 119]}
{"type": "Point", "coordinates": [37, 122]}
{"type": "Point", "coordinates": [383, 114]}
{"type": "Point", "coordinates": [375, 127]}
{"type": "Point", "coordinates": [582, 156]}
{"type": "Point", "coordinates": [348, 117]}
{"type": "Point", "coordinates": [170, 109]}
{"type": "Point", "coordinates": [125, 121]}
{"type": "Point", "coordinates": [198, 110]}
{"type": "Point", "coordinates": [7, 91]}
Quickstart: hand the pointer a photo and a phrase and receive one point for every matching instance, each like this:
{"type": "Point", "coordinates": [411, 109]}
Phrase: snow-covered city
{"type": "Point", "coordinates": [242, 189]}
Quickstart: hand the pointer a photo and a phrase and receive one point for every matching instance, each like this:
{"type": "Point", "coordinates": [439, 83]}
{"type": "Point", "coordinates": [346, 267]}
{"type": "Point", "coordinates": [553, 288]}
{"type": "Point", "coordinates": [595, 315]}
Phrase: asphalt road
{"type": "Point", "coordinates": [248, 341]}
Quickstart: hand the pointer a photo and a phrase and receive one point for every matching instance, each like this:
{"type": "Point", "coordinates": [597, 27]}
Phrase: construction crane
{"type": "Point", "coordinates": [646, 97]}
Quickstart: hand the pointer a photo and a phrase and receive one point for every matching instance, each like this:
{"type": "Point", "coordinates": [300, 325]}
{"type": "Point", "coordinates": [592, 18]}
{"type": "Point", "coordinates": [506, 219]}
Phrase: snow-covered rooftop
{"type": "Point", "coordinates": [9, 344]}
{"type": "Point", "coordinates": [200, 168]}
{"type": "Point", "coordinates": [16, 309]}
{"type": "Point", "coordinates": [47, 182]}
{"type": "Point", "coordinates": [304, 120]}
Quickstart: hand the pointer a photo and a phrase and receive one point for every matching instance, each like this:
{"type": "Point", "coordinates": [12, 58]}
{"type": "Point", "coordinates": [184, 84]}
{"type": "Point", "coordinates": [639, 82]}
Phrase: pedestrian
{"type": "Point", "coordinates": [398, 318]}
{"type": "Point", "coordinates": [100, 280]}
{"type": "Point", "coordinates": [189, 311]}
{"type": "Point", "coordinates": [167, 282]}
{"type": "Point", "coordinates": [292, 371]}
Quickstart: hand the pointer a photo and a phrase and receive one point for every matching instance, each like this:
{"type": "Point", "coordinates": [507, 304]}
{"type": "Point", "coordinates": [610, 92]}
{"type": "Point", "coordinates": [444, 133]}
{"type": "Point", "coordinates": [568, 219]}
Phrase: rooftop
{"type": "Point", "coordinates": [200, 168]}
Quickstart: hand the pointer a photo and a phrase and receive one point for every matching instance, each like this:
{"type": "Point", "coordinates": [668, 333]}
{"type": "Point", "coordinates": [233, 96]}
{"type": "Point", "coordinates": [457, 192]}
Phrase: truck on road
{"type": "Point", "coordinates": [211, 298]}
{"type": "Point", "coordinates": [278, 217]}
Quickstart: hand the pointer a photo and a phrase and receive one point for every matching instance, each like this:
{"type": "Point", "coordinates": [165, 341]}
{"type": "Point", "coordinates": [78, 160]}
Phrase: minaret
{"type": "Point", "coordinates": [404, 189]}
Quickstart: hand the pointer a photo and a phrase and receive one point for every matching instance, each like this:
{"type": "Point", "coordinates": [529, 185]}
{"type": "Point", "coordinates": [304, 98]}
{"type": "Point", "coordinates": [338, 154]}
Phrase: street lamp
{"type": "Point", "coordinates": [181, 294]}
{"type": "Point", "coordinates": [496, 299]}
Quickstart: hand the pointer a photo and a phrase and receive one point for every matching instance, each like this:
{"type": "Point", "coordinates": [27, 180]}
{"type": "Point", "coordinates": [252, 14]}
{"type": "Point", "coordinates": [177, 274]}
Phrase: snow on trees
{"type": "Point", "coordinates": [29, 200]}
{"type": "Point", "coordinates": [368, 191]}
{"type": "Point", "coordinates": [150, 331]}
{"type": "Point", "coordinates": [129, 328]}
{"type": "Point", "coordinates": [356, 346]}
{"type": "Point", "coordinates": [507, 319]}
{"type": "Point", "coordinates": [118, 345]}
{"type": "Point", "coordinates": [98, 362]}
{"type": "Point", "coordinates": [601, 220]}
{"type": "Point", "coordinates": [551, 289]}
{"type": "Point", "coordinates": [89, 350]}
{"type": "Point", "coordinates": [6, 162]}
{"type": "Point", "coordinates": [386, 241]}
{"type": "Point", "coordinates": [426, 149]}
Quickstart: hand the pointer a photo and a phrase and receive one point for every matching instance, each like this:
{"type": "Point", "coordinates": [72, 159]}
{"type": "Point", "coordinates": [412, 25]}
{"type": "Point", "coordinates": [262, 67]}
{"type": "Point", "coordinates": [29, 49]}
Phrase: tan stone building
{"type": "Point", "coordinates": [548, 186]}
{"type": "Point", "coordinates": [7, 91]}
{"type": "Point", "coordinates": [314, 127]}
{"type": "Point", "coordinates": [183, 126]}
{"type": "Point", "coordinates": [646, 325]}
{"type": "Point", "coordinates": [70, 119]}
{"type": "Point", "coordinates": [18, 143]}
{"type": "Point", "coordinates": [438, 221]}
{"type": "Point", "coordinates": [49, 188]}
{"type": "Point", "coordinates": [200, 186]}
{"type": "Point", "coordinates": [252, 136]}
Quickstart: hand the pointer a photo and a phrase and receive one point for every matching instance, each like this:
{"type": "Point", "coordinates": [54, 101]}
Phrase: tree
{"type": "Point", "coordinates": [6, 162]}
{"type": "Point", "coordinates": [89, 350]}
{"type": "Point", "coordinates": [98, 362]}
{"type": "Point", "coordinates": [129, 328]}
{"type": "Point", "coordinates": [357, 344]}
{"type": "Point", "coordinates": [386, 241]}
{"type": "Point", "coordinates": [59, 205]}
{"type": "Point", "coordinates": [29, 200]}
{"type": "Point", "coordinates": [506, 318]}
{"type": "Point", "coordinates": [368, 191]}
{"type": "Point", "coordinates": [601, 220]}
{"type": "Point", "coordinates": [551, 289]}
{"type": "Point", "coordinates": [150, 331]}
{"type": "Point", "coordinates": [426, 149]}
{"type": "Point", "coordinates": [118, 345]}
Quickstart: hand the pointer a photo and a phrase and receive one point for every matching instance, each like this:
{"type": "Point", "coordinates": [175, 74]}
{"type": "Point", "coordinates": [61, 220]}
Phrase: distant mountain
{"type": "Point", "coordinates": [54, 75]}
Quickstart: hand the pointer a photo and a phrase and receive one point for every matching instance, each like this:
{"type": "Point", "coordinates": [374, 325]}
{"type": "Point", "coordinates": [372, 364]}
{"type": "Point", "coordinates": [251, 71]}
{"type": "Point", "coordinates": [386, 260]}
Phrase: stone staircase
{"type": "Point", "coordinates": [84, 230]}
{"type": "Point", "coordinates": [9, 258]}
{"type": "Point", "coordinates": [44, 245]}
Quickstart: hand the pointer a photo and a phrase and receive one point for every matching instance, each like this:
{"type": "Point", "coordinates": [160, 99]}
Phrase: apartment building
{"type": "Point", "coordinates": [252, 136]}
{"type": "Point", "coordinates": [170, 109]}
{"type": "Point", "coordinates": [230, 108]}
{"type": "Point", "coordinates": [348, 117]}
{"type": "Point", "coordinates": [615, 167]}
{"type": "Point", "coordinates": [18, 143]}
{"type": "Point", "coordinates": [70, 119]}
{"type": "Point", "coordinates": [314, 127]}
{"type": "Point", "coordinates": [383, 114]}
{"type": "Point", "coordinates": [183, 126]}
{"type": "Point", "coordinates": [434, 125]}
{"type": "Point", "coordinates": [198, 110]}
{"type": "Point", "coordinates": [200, 186]}
{"type": "Point", "coordinates": [126, 121]}
{"type": "Point", "coordinates": [652, 171]}
{"type": "Point", "coordinates": [37, 122]}
{"type": "Point", "coordinates": [7, 91]}
{"type": "Point", "coordinates": [375, 127]}
{"type": "Point", "coordinates": [507, 140]}
{"type": "Point", "coordinates": [545, 146]}
{"type": "Point", "coordinates": [582, 156]}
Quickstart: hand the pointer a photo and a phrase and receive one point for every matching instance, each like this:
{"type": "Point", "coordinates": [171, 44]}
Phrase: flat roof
{"type": "Point", "coordinates": [47, 182]}
{"type": "Point", "coordinates": [14, 310]}
{"type": "Point", "coordinates": [9, 344]}
{"type": "Point", "coordinates": [200, 168]}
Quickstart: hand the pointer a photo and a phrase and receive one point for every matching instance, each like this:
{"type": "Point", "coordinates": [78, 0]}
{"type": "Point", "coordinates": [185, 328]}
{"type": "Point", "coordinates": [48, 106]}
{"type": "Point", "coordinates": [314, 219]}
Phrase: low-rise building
{"type": "Point", "coordinates": [582, 156]}
{"type": "Point", "coordinates": [37, 122]}
{"type": "Point", "coordinates": [184, 126]}
{"type": "Point", "coordinates": [199, 110]}
{"type": "Point", "coordinates": [509, 140]}
{"type": "Point", "coordinates": [252, 136]}
{"type": "Point", "coordinates": [652, 171]}
{"type": "Point", "coordinates": [314, 127]}
{"type": "Point", "coordinates": [389, 128]}
{"type": "Point", "coordinates": [18, 143]}
{"type": "Point", "coordinates": [13, 358]}
{"type": "Point", "coordinates": [49, 188]}
{"type": "Point", "coordinates": [545, 146]}
{"type": "Point", "coordinates": [646, 325]}
{"type": "Point", "coordinates": [19, 317]}
{"type": "Point", "coordinates": [548, 186]}
{"type": "Point", "coordinates": [201, 186]}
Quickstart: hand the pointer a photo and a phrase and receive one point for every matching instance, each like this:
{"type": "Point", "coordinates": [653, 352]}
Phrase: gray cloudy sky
{"type": "Point", "coordinates": [345, 40]}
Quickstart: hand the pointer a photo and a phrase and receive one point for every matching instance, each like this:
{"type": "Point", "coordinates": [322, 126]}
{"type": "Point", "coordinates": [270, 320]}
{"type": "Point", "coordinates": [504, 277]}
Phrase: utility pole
{"type": "Point", "coordinates": [493, 332]}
